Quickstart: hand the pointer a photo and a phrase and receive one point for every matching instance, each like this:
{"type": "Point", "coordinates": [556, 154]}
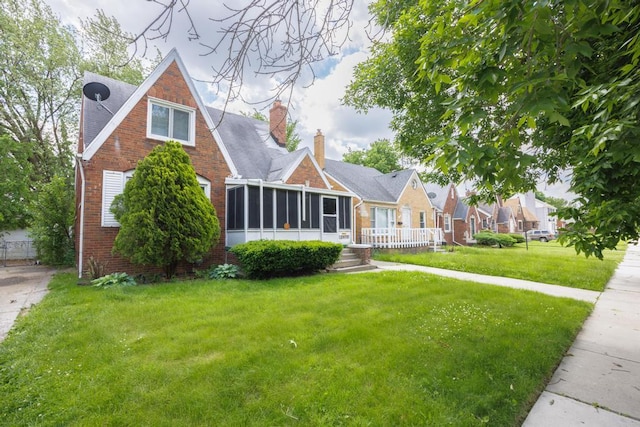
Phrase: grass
{"type": "Point", "coordinates": [393, 348]}
{"type": "Point", "coordinates": [547, 262]}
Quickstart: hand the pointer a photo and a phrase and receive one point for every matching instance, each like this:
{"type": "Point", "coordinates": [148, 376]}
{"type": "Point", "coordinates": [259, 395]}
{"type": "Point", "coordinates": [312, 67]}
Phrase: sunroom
{"type": "Point", "coordinates": [259, 210]}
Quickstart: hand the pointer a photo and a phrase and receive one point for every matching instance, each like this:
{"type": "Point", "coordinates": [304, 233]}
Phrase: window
{"type": "Point", "coordinates": [473, 226]}
{"type": "Point", "coordinates": [286, 208]}
{"type": "Point", "coordinates": [383, 218]}
{"type": "Point", "coordinates": [345, 212]}
{"type": "Point", "coordinates": [113, 183]}
{"type": "Point", "coordinates": [235, 208]}
{"type": "Point", "coordinates": [167, 121]}
{"type": "Point", "coordinates": [312, 210]}
{"type": "Point", "coordinates": [484, 223]}
{"type": "Point", "coordinates": [519, 225]}
{"type": "Point", "coordinates": [423, 219]}
{"type": "Point", "coordinates": [447, 223]}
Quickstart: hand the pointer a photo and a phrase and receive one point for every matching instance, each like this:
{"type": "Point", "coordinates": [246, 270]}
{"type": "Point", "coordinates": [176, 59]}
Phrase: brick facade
{"type": "Point", "coordinates": [122, 150]}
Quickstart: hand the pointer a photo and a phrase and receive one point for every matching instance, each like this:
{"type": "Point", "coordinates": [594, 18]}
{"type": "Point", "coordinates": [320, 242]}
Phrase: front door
{"type": "Point", "coordinates": [406, 223]}
{"type": "Point", "coordinates": [330, 216]}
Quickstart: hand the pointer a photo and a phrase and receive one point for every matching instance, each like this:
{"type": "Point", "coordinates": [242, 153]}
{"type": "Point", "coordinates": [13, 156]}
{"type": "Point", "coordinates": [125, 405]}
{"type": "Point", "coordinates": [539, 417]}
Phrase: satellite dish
{"type": "Point", "coordinates": [96, 91]}
{"type": "Point", "coordinates": [432, 195]}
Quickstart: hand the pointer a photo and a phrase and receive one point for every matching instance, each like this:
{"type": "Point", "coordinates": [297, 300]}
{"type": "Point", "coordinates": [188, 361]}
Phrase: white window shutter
{"type": "Point", "coordinates": [112, 185]}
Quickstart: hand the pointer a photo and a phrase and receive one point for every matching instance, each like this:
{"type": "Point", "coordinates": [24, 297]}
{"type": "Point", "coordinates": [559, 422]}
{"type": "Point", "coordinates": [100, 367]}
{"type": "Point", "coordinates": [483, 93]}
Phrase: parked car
{"type": "Point", "coordinates": [540, 235]}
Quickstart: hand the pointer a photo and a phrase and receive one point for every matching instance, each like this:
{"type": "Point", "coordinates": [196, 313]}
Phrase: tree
{"type": "Point", "coordinates": [51, 227]}
{"type": "Point", "coordinates": [293, 138]}
{"type": "Point", "coordinates": [15, 193]}
{"type": "Point", "coordinates": [105, 50]}
{"type": "Point", "coordinates": [39, 85]}
{"type": "Point", "coordinates": [509, 93]}
{"type": "Point", "coordinates": [164, 215]}
{"type": "Point", "coordinates": [381, 155]}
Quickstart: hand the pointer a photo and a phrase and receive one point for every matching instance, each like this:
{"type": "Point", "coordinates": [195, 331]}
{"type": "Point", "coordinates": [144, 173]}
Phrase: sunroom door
{"type": "Point", "coordinates": [330, 217]}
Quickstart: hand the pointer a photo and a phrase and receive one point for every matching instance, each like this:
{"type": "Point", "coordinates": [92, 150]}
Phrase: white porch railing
{"type": "Point", "coordinates": [402, 237]}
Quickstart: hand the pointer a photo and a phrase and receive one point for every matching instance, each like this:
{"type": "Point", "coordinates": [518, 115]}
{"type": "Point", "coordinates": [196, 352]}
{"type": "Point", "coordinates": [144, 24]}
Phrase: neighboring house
{"type": "Point", "coordinates": [391, 210]}
{"type": "Point", "coordinates": [525, 219]}
{"type": "Point", "coordinates": [503, 219]}
{"type": "Point", "coordinates": [459, 221]}
{"type": "Point", "coordinates": [545, 213]}
{"type": "Point", "coordinates": [259, 190]}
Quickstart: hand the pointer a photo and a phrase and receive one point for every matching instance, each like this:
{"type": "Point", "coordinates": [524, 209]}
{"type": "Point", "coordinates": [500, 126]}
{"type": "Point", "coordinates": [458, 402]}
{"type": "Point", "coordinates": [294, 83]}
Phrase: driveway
{"type": "Point", "coordinates": [20, 288]}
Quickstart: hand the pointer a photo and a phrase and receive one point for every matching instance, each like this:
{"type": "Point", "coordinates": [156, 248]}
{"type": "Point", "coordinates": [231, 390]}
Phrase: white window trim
{"type": "Point", "coordinates": [447, 223]}
{"type": "Point", "coordinates": [113, 183]}
{"type": "Point", "coordinates": [173, 106]}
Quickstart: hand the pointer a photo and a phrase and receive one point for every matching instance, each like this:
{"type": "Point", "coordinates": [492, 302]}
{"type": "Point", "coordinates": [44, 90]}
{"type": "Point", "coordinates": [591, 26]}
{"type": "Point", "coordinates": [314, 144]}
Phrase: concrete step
{"type": "Point", "coordinates": [343, 263]}
{"type": "Point", "coordinates": [353, 269]}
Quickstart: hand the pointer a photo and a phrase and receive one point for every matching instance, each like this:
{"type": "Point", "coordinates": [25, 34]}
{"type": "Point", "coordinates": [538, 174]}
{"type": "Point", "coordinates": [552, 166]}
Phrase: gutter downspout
{"type": "Point", "coordinates": [81, 232]}
{"type": "Point", "coordinates": [353, 229]}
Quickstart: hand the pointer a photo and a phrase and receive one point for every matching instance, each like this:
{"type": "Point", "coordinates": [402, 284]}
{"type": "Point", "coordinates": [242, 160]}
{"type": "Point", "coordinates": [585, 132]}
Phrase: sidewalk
{"type": "Point", "coordinates": [20, 288]}
{"type": "Point", "coordinates": [598, 381]}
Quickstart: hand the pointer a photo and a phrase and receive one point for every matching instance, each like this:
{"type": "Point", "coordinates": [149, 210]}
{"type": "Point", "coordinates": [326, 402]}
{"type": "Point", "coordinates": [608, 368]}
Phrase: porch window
{"type": "Point", "coordinates": [447, 223]}
{"type": "Point", "coordinates": [235, 208]}
{"type": "Point", "coordinates": [254, 207]}
{"type": "Point", "coordinates": [345, 212]}
{"type": "Point", "coordinates": [267, 207]}
{"type": "Point", "coordinates": [167, 121]}
{"type": "Point", "coordinates": [312, 210]}
{"type": "Point", "coordinates": [286, 208]}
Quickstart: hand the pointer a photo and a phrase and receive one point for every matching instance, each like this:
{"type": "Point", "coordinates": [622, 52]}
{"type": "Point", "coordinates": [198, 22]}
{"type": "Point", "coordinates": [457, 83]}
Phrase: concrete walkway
{"type": "Point", "coordinates": [20, 288]}
{"type": "Point", "coordinates": [598, 381]}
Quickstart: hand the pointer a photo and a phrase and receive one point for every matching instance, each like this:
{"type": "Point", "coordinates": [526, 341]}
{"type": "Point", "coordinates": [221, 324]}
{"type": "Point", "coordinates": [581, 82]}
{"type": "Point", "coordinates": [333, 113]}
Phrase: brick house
{"type": "Point", "coordinates": [259, 190]}
{"type": "Point", "coordinates": [390, 210]}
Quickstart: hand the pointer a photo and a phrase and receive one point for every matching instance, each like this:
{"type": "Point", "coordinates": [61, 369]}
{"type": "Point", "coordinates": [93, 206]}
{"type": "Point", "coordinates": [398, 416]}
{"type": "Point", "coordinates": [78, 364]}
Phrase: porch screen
{"type": "Point", "coordinates": [312, 208]}
{"type": "Point", "coordinates": [345, 212]}
{"type": "Point", "coordinates": [287, 208]}
{"type": "Point", "coordinates": [254, 207]}
{"type": "Point", "coordinates": [235, 208]}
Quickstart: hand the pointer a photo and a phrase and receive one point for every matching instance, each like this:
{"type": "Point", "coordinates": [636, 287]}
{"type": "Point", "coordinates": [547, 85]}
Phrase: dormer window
{"type": "Point", "coordinates": [169, 121]}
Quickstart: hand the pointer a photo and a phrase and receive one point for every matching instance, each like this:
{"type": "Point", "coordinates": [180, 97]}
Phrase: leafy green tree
{"type": "Point", "coordinates": [39, 85]}
{"type": "Point", "coordinates": [15, 193]}
{"type": "Point", "coordinates": [164, 215]}
{"type": "Point", "coordinates": [293, 138]}
{"type": "Point", "coordinates": [381, 155]}
{"type": "Point", "coordinates": [53, 213]}
{"type": "Point", "coordinates": [508, 93]}
{"type": "Point", "coordinates": [104, 50]}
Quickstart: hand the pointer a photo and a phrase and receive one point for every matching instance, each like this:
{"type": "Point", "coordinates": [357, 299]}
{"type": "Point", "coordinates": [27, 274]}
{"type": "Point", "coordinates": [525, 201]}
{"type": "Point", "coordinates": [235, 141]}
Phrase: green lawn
{"type": "Point", "coordinates": [547, 262]}
{"type": "Point", "coordinates": [392, 348]}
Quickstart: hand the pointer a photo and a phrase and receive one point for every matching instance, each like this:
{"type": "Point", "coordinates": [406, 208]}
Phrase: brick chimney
{"type": "Point", "coordinates": [318, 148]}
{"type": "Point", "coordinates": [278, 123]}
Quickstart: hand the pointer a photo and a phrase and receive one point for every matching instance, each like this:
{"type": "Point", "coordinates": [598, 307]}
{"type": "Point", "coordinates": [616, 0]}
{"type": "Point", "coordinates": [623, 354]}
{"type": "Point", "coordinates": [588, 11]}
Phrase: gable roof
{"type": "Point", "coordinates": [369, 183]}
{"type": "Point", "coordinates": [437, 194]}
{"type": "Point", "coordinates": [123, 92]}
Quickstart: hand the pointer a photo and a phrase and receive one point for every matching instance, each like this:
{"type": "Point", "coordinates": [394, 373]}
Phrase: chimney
{"type": "Point", "coordinates": [278, 123]}
{"type": "Point", "coordinates": [318, 148]}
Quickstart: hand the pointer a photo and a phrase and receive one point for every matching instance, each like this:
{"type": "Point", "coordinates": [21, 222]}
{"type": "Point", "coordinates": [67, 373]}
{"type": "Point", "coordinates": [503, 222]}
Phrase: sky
{"type": "Point", "coordinates": [315, 106]}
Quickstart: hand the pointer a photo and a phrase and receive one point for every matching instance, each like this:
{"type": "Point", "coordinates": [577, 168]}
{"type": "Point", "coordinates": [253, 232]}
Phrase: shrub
{"type": "Point", "coordinates": [487, 238]}
{"type": "Point", "coordinates": [224, 271]}
{"type": "Point", "coordinates": [114, 279]}
{"type": "Point", "coordinates": [273, 258]}
{"type": "Point", "coordinates": [519, 238]}
{"type": "Point", "coordinates": [165, 216]}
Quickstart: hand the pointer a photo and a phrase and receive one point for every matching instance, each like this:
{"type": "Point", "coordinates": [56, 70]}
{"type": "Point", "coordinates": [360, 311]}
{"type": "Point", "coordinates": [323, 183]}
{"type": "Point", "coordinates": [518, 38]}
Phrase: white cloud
{"type": "Point", "coordinates": [316, 107]}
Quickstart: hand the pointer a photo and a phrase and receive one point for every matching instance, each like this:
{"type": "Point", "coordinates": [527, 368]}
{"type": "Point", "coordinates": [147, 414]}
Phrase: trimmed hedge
{"type": "Point", "coordinates": [261, 259]}
{"type": "Point", "coordinates": [519, 238]}
{"type": "Point", "coordinates": [487, 238]}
